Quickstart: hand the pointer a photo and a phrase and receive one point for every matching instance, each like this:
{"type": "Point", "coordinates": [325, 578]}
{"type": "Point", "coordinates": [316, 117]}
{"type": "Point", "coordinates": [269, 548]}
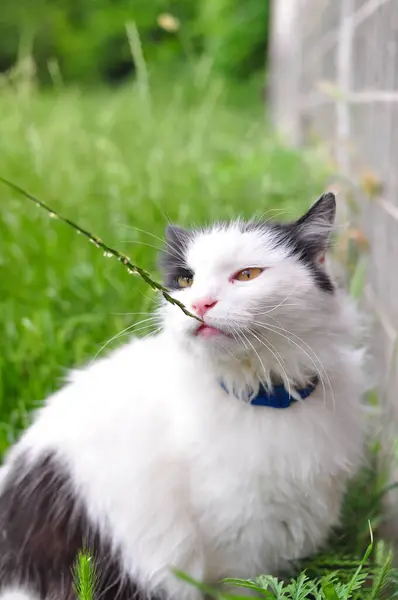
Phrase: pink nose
{"type": "Point", "coordinates": [202, 306]}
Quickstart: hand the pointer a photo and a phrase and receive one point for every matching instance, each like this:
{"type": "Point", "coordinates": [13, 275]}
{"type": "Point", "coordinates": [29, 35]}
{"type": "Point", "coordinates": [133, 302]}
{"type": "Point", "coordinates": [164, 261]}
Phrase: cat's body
{"type": "Point", "coordinates": [147, 457]}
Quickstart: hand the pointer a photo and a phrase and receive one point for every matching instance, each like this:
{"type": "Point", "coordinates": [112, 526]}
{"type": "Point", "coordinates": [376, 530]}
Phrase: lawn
{"type": "Point", "coordinates": [121, 163]}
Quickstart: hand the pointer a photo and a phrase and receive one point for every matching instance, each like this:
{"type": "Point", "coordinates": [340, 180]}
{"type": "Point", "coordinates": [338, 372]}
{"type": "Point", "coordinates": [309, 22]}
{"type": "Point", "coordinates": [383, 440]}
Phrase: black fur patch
{"type": "Point", "coordinates": [306, 238]}
{"type": "Point", "coordinates": [172, 260]}
{"type": "Point", "coordinates": [288, 236]}
{"type": "Point", "coordinates": [43, 527]}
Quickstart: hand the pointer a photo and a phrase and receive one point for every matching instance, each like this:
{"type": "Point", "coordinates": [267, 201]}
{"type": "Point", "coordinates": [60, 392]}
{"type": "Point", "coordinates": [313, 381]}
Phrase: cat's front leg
{"type": "Point", "coordinates": [44, 524]}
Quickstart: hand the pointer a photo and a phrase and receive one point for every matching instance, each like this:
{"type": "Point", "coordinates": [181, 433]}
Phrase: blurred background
{"type": "Point", "coordinates": [85, 41]}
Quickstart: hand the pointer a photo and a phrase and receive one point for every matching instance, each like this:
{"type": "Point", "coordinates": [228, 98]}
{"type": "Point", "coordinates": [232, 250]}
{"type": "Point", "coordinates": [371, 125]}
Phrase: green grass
{"type": "Point", "coordinates": [117, 162]}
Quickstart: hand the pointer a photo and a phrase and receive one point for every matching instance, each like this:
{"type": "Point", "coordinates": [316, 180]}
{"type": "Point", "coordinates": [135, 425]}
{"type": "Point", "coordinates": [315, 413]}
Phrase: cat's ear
{"type": "Point", "coordinates": [315, 227]}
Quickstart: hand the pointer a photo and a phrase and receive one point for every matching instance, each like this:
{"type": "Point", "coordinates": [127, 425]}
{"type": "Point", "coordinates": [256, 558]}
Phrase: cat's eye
{"type": "Point", "coordinates": [248, 274]}
{"type": "Point", "coordinates": [184, 281]}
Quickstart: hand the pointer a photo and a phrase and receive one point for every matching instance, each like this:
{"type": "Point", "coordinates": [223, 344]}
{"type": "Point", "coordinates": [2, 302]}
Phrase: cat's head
{"type": "Point", "coordinates": [250, 282]}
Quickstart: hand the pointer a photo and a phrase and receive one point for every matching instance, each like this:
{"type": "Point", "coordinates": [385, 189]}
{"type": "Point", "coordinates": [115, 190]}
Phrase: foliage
{"type": "Point", "coordinates": [235, 34]}
{"type": "Point", "coordinates": [377, 582]}
{"type": "Point", "coordinates": [87, 41]}
{"type": "Point", "coordinates": [84, 576]}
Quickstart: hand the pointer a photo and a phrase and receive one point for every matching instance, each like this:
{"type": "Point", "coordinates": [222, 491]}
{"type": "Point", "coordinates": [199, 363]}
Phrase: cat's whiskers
{"type": "Point", "coordinates": [139, 242]}
{"type": "Point", "coordinates": [139, 330]}
{"type": "Point", "coordinates": [242, 336]}
{"type": "Point", "coordinates": [150, 300]}
{"type": "Point", "coordinates": [259, 305]}
{"type": "Point", "coordinates": [278, 329]}
{"type": "Point", "coordinates": [319, 368]}
{"type": "Point", "coordinates": [239, 338]}
{"type": "Point", "coordinates": [131, 314]}
{"type": "Point", "coordinates": [152, 235]}
{"type": "Point", "coordinates": [237, 331]}
{"type": "Point", "coordinates": [325, 375]}
{"type": "Point", "coordinates": [309, 348]}
{"type": "Point", "coordinates": [275, 329]}
{"type": "Point", "coordinates": [252, 308]}
{"type": "Point", "coordinates": [255, 351]}
{"type": "Point", "coordinates": [270, 307]}
{"type": "Point", "coordinates": [154, 332]}
{"type": "Point", "coordinates": [273, 307]}
{"type": "Point", "coordinates": [174, 247]}
{"type": "Point", "coordinates": [151, 319]}
{"type": "Point", "coordinates": [282, 301]}
{"type": "Point", "coordinates": [228, 351]}
{"type": "Point", "coordinates": [274, 353]}
{"type": "Point", "coordinates": [244, 340]}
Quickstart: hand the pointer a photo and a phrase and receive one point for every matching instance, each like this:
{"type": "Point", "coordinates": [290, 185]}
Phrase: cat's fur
{"type": "Point", "coordinates": [146, 459]}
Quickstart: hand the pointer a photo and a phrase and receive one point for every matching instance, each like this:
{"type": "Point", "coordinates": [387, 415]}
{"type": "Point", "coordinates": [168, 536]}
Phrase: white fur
{"type": "Point", "coordinates": [181, 474]}
{"type": "Point", "coordinates": [16, 593]}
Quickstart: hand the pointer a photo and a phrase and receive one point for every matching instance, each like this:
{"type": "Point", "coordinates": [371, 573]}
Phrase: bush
{"type": "Point", "coordinates": [235, 34]}
{"type": "Point", "coordinates": [88, 39]}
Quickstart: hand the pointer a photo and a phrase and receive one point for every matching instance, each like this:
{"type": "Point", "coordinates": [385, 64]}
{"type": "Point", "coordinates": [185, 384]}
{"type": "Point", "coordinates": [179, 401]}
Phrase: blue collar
{"type": "Point", "coordinates": [279, 397]}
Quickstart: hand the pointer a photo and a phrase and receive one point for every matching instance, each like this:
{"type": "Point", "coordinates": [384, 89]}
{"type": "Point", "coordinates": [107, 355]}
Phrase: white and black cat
{"type": "Point", "coordinates": [221, 448]}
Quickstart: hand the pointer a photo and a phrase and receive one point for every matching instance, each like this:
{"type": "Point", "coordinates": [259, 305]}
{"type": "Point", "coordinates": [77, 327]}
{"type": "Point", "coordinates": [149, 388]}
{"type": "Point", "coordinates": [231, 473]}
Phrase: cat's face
{"type": "Point", "coordinates": [249, 282]}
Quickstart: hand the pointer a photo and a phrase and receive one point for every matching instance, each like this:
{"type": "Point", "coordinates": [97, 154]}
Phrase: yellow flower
{"type": "Point", "coordinates": [168, 22]}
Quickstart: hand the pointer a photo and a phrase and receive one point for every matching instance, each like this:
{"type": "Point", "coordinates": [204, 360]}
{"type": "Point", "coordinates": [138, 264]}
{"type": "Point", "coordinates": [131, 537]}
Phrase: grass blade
{"type": "Point", "coordinates": [364, 560]}
{"type": "Point", "coordinates": [249, 585]}
{"type": "Point", "coordinates": [84, 576]}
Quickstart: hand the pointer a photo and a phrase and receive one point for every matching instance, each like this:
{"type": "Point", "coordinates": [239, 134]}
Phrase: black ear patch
{"type": "Point", "coordinates": [308, 238]}
{"type": "Point", "coordinates": [314, 228]}
{"type": "Point", "coordinates": [173, 259]}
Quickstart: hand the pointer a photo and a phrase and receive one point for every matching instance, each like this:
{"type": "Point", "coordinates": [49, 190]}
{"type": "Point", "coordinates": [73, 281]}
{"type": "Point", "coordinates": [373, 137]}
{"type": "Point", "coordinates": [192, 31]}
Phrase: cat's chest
{"type": "Point", "coordinates": [229, 499]}
{"type": "Point", "coordinates": [241, 495]}
{"type": "Point", "coordinates": [239, 466]}
{"type": "Point", "coordinates": [258, 490]}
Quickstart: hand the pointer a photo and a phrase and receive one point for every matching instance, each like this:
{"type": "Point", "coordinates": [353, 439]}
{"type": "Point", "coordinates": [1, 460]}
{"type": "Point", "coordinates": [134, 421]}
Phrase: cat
{"type": "Point", "coordinates": [221, 446]}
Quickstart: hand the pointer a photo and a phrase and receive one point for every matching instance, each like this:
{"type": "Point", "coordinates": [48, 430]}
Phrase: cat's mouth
{"type": "Point", "coordinates": [207, 331]}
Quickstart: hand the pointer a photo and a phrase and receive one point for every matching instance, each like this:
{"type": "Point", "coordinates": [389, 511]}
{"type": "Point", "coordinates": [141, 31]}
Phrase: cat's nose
{"type": "Point", "coordinates": [203, 305]}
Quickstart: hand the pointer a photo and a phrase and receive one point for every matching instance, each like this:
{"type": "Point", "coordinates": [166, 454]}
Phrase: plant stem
{"type": "Point", "coordinates": [131, 268]}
